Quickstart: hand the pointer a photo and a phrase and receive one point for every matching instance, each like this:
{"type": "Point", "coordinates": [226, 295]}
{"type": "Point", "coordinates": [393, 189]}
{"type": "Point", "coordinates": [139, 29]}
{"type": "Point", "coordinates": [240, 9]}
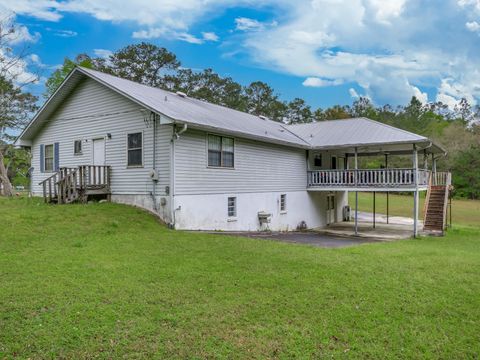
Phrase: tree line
{"type": "Point", "coordinates": [455, 129]}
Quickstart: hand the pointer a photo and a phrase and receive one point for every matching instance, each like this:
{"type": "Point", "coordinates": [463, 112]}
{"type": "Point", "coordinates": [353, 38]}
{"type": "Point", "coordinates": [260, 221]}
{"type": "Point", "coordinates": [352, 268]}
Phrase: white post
{"type": "Point", "coordinates": [356, 192]}
{"type": "Point", "coordinates": [415, 197]}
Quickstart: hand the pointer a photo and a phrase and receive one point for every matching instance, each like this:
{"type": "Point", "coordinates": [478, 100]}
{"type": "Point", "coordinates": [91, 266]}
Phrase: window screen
{"type": "Point", "coordinates": [220, 151]}
{"type": "Point", "coordinates": [134, 149]}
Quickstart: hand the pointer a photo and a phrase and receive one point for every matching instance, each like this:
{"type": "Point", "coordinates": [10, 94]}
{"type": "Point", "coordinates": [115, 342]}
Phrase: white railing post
{"type": "Point", "coordinates": [415, 199]}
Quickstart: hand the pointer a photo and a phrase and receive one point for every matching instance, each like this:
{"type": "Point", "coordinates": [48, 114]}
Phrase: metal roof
{"type": "Point", "coordinates": [359, 132]}
{"type": "Point", "coordinates": [200, 114]}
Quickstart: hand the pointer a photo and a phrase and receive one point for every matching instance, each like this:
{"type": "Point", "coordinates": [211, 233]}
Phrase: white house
{"type": "Point", "coordinates": [204, 166]}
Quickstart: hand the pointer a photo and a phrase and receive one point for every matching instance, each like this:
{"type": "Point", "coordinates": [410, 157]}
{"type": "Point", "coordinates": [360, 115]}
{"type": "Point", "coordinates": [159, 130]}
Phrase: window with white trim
{"type": "Point", "coordinates": [232, 206]}
{"type": "Point", "coordinates": [220, 151]}
{"type": "Point", "coordinates": [48, 158]}
{"type": "Point", "coordinates": [77, 147]}
{"type": "Point", "coordinates": [283, 202]}
{"type": "Point", "coordinates": [134, 149]}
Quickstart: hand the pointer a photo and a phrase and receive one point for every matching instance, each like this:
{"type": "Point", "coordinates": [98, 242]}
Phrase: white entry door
{"type": "Point", "coordinates": [99, 152]}
{"type": "Point", "coordinates": [97, 177]}
{"type": "Point", "coordinates": [330, 209]}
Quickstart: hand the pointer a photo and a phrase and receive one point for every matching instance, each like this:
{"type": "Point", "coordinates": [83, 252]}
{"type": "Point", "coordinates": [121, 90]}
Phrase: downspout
{"type": "Point", "coordinates": [154, 192]}
{"type": "Point", "coordinates": [175, 136]}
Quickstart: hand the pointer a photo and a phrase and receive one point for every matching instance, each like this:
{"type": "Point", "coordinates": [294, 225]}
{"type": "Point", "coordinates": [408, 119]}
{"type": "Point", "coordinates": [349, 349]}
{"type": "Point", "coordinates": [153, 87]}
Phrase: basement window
{"type": "Point", "coordinates": [283, 203]}
{"type": "Point", "coordinates": [232, 206]}
{"type": "Point", "coordinates": [220, 151]}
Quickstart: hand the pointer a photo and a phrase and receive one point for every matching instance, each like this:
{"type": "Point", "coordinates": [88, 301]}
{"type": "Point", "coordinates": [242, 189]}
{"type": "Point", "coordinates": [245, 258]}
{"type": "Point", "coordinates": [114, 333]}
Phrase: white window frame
{"type": "Point", "coordinates": [283, 206]}
{"type": "Point", "coordinates": [81, 147]}
{"type": "Point", "coordinates": [45, 158]}
{"type": "Point", "coordinates": [221, 157]}
{"type": "Point", "coordinates": [232, 215]}
{"type": "Point", "coordinates": [127, 149]}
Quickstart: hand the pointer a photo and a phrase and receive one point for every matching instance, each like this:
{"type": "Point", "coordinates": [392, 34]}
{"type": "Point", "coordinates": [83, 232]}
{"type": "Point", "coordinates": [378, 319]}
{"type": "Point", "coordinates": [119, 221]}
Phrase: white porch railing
{"type": "Point", "coordinates": [367, 178]}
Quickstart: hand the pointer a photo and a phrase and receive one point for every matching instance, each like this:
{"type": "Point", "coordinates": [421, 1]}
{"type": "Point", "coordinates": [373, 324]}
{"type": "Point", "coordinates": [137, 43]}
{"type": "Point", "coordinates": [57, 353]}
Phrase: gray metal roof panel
{"type": "Point", "coordinates": [350, 132]}
{"type": "Point", "coordinates": [197, 112]}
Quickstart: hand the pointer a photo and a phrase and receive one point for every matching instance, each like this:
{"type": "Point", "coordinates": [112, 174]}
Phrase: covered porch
{"type": "Point", "coordinates": [337, 169]}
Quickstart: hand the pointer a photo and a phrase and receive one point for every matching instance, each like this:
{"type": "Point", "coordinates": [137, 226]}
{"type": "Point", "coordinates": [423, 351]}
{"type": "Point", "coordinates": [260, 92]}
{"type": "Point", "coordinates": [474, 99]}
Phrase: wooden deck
{"type": "Point", "coordinates": [368, 180]}
{"type": "Point", "coordinates": [77, 184]}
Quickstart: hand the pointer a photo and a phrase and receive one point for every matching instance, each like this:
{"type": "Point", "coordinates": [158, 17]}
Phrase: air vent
{"type": "Point", "coordinates": [181, 94]}
{"type": "Point", "coordinates": [262, 117]}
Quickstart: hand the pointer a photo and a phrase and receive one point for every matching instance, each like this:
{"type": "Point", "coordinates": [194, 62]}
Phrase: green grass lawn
{"type": "Point", "coordinates": [464, 212]}
{"type": "Point", "coordinates": [109, 281]}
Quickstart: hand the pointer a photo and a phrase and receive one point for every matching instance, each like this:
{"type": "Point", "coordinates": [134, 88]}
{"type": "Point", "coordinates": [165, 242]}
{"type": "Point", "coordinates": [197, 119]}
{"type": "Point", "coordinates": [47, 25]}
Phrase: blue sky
{"type": "Point", "coordinates": [325, 51]}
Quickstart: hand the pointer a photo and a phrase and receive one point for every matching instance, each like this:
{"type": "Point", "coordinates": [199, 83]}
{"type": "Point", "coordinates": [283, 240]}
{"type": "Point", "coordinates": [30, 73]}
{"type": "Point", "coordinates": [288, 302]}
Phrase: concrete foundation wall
{"type": "Point", "coordinates": [146, 202]}
{"type": "Point", "coordinates": [209, 212]}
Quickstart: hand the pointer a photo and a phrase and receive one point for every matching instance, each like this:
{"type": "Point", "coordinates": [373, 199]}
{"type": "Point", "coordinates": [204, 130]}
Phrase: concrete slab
{"type": "Point", "coordinates": [398, 227]}
{"type": "Point", "coordinates": [312, 238]}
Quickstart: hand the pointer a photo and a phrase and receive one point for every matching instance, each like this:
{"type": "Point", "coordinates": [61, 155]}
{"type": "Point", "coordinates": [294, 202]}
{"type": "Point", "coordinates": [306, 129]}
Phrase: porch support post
{"type": "Point", "coordinates": [374, 209]}
{"type": "Point", "coordinates": [425, 160]}
{"type": "Point", "coordinates": [386, 167]}
{"type": "Point", "coordinates": [415, 197]}
{"type": "Point", "coordinates": [356, 192]}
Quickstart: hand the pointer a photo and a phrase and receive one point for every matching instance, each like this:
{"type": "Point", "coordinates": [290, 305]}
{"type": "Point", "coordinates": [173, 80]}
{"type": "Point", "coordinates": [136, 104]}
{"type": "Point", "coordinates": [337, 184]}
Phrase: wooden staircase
{"type": "Point", "coordinates": [69, 185]}
{"type": "Point", "coordinates": [435, 210]}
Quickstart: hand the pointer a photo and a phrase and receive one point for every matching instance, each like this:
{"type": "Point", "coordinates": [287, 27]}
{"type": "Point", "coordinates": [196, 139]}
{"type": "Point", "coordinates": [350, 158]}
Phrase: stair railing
{"type": "Point", "coordinates": [427, 198]}
{"type": "Point", "coordinates": [49, 187]}
{"type": "Point", "coordinates": [67, 187]}
{"type": "Point", "coordinates": [448, 183]}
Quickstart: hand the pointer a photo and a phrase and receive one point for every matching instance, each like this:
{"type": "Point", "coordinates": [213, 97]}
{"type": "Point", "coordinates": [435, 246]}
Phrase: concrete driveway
{"type": "Point", "coordinates": [307, 238]}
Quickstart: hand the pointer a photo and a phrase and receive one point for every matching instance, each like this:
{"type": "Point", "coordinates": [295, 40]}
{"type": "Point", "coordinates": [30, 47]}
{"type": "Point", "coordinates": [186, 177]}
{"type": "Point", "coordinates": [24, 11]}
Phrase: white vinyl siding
{"type": "Point", "coordinates": [259, 167]}
{"type": "Point", "coordinates": [76, 119]}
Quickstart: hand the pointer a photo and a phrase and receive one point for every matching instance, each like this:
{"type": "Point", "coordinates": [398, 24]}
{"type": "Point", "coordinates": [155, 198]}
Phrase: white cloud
{"type": "Point", "coordinates": [40, 9]}
{"type": "Point", "coordinates": [386, 10]}
{"type": "Point", "coordinates": [165, 33]}
{"type": "Point", "coordinates": [156, 33]}
{"type": "Point", "coordinates": [248, 24]}
{"type": "Point", "coordinates": [17, 69]}
{"type": "Point", "coordinates": [319, 82]}
{"type": "Point", "coordinates": [65, 33]}
{"type": "Point", "coordinates": [210, 36]}
{"type": "Point", "coordinates": [16, 34]}
{"type": "Point", "coordinates": [102, 53]}
{"type": "Point", "coordinates": [353, 93]}
{"type": "Point", "coordinates": [35, 59]}
{"type": "Point", "coordinates": [472, 26]}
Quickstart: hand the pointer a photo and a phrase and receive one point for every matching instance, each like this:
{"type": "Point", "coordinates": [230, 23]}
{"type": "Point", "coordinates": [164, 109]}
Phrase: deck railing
{"type": "Point", "coordinates": [64, 184]}
{"type": "Point", "coordinates": [94, 176]}
{"type": "Point", "coordinates": [368, 178]}
{"type": "Point", "coordinates": [441, 178]}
